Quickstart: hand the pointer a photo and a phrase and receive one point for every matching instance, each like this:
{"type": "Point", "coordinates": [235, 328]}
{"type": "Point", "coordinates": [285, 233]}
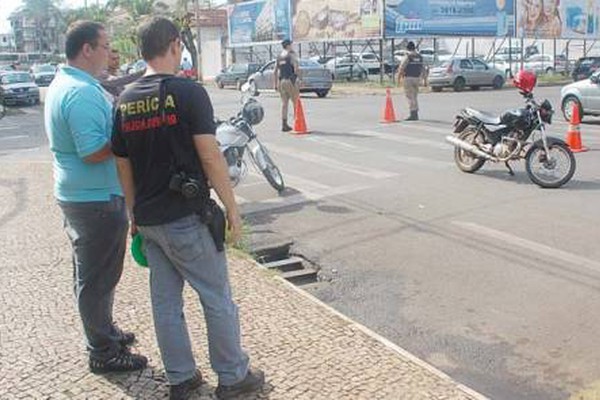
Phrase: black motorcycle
{"type": "Point", "coordinates": [514, 135]}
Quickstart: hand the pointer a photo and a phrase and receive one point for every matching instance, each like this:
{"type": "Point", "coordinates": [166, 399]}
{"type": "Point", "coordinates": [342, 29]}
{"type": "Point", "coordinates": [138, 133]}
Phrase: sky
{"type": "Point", "coordinates": [8, 6]}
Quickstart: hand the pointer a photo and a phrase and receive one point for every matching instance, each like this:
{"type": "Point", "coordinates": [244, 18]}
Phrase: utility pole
{"type": "Point", "coordinates": [198, 40]}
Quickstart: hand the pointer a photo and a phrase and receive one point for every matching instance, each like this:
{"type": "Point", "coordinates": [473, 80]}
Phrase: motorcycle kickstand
{"type": "Point", "coordinates": [510, 170]}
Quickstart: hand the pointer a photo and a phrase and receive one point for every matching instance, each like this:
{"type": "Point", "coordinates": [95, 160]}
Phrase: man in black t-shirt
{"type": "Point", "coordinates": [164, 135]}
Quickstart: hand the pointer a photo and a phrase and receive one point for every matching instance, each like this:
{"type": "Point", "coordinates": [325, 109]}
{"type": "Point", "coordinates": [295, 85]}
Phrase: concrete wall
{"type": "Point", "coordinates": [212, 51]}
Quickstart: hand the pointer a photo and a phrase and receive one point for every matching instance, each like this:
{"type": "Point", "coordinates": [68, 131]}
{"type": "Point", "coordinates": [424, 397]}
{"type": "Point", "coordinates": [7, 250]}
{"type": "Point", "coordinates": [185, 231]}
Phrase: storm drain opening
{"type": "Point", "coordinates": [291, 267]}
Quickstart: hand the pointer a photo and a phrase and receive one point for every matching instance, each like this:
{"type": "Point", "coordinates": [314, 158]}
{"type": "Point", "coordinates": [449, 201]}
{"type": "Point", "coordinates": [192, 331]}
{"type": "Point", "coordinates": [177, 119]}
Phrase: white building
{"type": "Point", "coordinates": [7, 42]}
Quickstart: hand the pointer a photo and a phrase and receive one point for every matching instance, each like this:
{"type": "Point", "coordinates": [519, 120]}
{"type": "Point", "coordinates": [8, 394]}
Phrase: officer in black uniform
{"type": "Point", "coordinates": [410, 72]}
{"type": "Point", "coordinates": [286, 81]}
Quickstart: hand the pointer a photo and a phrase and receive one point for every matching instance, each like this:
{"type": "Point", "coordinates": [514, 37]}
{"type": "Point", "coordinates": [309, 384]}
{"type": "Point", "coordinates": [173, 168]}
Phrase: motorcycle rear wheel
{"type": "Point", "coordinates": [540, 166]}
{"type": "Point", "coordinates": [465, 161]}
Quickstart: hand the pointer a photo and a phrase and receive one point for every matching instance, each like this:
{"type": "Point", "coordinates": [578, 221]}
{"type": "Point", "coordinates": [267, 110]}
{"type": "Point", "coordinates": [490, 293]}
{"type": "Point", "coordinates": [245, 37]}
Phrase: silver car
{"type": "Point", "coordinates": [459, 73]}
{"type": "Point", "coordinates": [314, 77]}
{"type": "Point", "coordinates": [584, 94]}
{"type": "Point", "coordinates": [18, 87]}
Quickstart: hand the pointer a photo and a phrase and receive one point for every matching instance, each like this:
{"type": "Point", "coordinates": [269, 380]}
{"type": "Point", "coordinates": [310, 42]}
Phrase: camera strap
{"type": "Point", "coordinates": [178, 156]}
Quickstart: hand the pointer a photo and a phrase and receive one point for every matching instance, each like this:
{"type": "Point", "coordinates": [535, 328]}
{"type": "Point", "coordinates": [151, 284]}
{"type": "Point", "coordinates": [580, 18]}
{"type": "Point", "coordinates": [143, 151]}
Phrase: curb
{"type": "Point", "coordinates": [385, 342]}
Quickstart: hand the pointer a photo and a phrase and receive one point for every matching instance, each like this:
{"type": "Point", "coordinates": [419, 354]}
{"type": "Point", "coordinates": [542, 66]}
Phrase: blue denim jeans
{"type": "Point", "coordinates": [184, 251]}
{"type": "Point", "coordinates": [98, 235]}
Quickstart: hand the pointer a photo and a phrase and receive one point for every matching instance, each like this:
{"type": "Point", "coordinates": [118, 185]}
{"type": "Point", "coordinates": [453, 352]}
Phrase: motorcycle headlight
{"type": "Point", "coordinates": [546, 112]}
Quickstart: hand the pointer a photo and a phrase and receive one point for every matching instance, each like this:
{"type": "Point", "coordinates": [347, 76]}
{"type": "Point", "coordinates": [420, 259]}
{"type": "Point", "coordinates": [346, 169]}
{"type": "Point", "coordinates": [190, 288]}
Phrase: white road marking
{"type": "Point", "coordinates": [400, 138]}
{"type": "Point", "coordinates": [531, 246]}
{"type": "Point", "coordinates": [420, 127]}
{"type": "Point", "coordinates": [13, 137]}
{"type": "Point", "coordinates": [330, 162]}
{"type": "Point", "coordinates": [9, 127]}
{"type": "Point", "coordinates": [337, 144]}
{"type": "Point", "coordinates": [422, 162]}
{"type": "Point", "coordinates": [30, 111]}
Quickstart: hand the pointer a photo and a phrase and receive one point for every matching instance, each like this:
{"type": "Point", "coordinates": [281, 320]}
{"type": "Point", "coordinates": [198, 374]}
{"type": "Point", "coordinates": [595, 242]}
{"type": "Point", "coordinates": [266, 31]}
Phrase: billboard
{"type": "Point", "coordinates": [449, 18]}
{"type": "Point", "coordinates": [568, 19]}
{"type": "Point", "coordinates": [317, 20]}
{"type": "Point", "coordinates": [260, 21]}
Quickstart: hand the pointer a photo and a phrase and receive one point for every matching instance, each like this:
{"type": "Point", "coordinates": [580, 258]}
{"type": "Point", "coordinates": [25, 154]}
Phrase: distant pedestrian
{"type": "Point", "coordinates": [186, 65]}
{"type": "Point", "coordinates": [78, 120]}
{"type": "Point", "coordinates": [112, 79]}
{"type": "Point", "coordinates": [287, 73]}
{"type": "Point", "coordinates": [166, 149]}
{"type": "Point", "coordinates": [410, 73]}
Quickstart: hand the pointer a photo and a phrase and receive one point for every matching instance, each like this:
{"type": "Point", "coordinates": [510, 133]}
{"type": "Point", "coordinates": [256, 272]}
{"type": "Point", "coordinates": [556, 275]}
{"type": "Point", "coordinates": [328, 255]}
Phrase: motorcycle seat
{"type": "Point", "coordinates": [484, 117]}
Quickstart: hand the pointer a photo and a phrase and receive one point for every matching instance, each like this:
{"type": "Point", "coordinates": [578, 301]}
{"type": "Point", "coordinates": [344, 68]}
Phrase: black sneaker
{"type": "Point", "coordinates": [185, 389]}
{"type": "Point", "coordinates": [122, 362]}
{"type": "Point", "coordinates": [253, 381]}
{"type": "Point", "coordinates": [127, 338]}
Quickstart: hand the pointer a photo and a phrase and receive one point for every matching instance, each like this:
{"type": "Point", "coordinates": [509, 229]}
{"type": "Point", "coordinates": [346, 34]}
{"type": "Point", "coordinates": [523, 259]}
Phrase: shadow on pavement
{"type": "Point", "coordinates": [19, 189]}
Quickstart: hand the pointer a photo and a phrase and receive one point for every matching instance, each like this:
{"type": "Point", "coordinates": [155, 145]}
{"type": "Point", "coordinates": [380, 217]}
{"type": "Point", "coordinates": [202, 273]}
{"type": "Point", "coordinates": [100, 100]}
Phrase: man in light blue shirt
{"type": "Point", "coordinates": [78, 120]}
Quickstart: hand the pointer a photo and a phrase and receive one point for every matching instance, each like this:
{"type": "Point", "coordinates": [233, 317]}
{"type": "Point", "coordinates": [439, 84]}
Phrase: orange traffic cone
{"type": "Point", "coordinates": [574, 133]}
{"type": "Point", "coordinates": [389, 115]}
{"type": "Point", "coordinates": [299, 121]}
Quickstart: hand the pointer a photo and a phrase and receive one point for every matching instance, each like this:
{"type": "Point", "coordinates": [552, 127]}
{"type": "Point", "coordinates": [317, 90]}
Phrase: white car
{"type": "Point", "coordinates": [544, 64]}
{"type": "Point", "coordinates": [369, 61]}
{"type": "Point", "coordinates": [584, 94]}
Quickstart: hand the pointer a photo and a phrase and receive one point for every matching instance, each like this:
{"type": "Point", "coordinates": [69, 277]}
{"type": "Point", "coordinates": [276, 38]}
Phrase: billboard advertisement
{"type": "Point", "coordinates": [260, 21]}
{"type": "Point", "coordinates": [548, 19]}
{"type": "Point", "coordinates": [492, 18]}
{"type": "Point", "coordinates": [318, 20]}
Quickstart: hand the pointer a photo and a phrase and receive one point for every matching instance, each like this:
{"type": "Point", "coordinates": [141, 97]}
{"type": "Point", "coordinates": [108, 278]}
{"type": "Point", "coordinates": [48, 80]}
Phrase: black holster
{"type": "Point", "coordinates": [214, 218]}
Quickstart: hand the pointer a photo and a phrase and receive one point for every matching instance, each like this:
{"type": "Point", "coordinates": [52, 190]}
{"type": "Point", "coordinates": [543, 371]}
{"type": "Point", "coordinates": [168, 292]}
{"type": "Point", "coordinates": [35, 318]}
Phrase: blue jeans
{"type": "Point", "coordinates": [98, 235]}
{"type": "Point", "coordinates": [184, 251]}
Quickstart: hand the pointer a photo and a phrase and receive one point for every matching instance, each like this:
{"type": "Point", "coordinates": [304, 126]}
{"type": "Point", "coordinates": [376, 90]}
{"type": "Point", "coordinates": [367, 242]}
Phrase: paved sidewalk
{"type": "Point", "coordinates": [307, 350]}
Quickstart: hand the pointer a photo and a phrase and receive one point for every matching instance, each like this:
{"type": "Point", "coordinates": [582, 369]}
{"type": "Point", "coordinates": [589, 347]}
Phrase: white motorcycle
{"type": "Point", "coordinates": [237, 138]}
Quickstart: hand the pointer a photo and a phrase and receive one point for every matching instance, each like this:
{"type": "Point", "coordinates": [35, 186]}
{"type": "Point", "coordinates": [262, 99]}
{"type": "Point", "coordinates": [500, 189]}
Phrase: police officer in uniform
{"type": "Point", "coordinates": [286, 81]}
{"type": "Point", "coordinates": [410, 72]}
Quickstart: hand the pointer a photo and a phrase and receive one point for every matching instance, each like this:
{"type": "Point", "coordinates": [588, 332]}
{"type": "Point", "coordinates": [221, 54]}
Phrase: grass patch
{"type": "Point", "coordinates": [557, 79]}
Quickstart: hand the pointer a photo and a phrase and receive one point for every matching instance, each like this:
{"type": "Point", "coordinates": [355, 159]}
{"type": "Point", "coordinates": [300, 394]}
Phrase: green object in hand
{"type": "Point", "coordinates": [137, 250]}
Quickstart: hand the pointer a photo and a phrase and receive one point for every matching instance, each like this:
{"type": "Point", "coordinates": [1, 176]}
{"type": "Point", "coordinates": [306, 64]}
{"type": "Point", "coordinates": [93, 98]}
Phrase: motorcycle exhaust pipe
{"type": "Point", "coordinates": [468, 147]}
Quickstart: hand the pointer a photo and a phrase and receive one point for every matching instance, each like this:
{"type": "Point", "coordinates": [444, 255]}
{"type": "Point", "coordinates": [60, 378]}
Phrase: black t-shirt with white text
{"type": "Point", "coordinates": [139, 135]}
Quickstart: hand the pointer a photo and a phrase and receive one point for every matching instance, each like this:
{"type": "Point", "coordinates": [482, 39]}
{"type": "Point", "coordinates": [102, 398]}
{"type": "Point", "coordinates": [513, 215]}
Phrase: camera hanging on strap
{"type": "Point", "coordinates": [182, 180]}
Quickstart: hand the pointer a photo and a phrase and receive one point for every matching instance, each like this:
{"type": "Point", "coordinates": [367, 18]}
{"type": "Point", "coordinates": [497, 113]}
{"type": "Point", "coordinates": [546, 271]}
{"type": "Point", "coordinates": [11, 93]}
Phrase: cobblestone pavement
{"type": "Point", "coordinates": [307, 350]}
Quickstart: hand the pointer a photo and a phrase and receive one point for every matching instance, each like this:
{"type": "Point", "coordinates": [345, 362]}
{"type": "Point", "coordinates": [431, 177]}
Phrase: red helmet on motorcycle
{"type": "Point", "coordinates": [525, 81]}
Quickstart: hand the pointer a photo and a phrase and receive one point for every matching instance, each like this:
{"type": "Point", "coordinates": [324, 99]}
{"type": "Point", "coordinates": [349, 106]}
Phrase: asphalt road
{"type": "Point", "coordinates": [488, 277]}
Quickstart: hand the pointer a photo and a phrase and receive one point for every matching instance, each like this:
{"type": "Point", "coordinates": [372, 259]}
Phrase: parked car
{"type": "Point", "coordinates": [545, 64]}
{"type": "Point", "coordinates": [584, 94]}
{"type": "Point", "coordinates": [369, 61]}
{"type": "Point", "coordinates": [313, 78]}
{"type": "Point", "coordinates": [459, 73]}
{"type": "Point", "coordinates": [43, 74]}
{"type": "Point", "coordinates": [18, 87]}
{"type": "Point", "coordinates": [321, 59]}
{"type": "Point", "coordinates": [136, 66]}
{"type": "Point", "coordinates": [350, 69]}
{"type": "Point", "coordinates": [235, 75]}
{"type": "Point", "coordinates": [585, 67]}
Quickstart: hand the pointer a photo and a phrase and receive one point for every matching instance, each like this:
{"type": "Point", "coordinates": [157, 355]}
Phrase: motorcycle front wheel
{"type": "Point", "coordinates": [551, 170]}
{"type": "Point", "coordinates": [466, 161]}
{"type": "Point", "coordinates": [269, 169]}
